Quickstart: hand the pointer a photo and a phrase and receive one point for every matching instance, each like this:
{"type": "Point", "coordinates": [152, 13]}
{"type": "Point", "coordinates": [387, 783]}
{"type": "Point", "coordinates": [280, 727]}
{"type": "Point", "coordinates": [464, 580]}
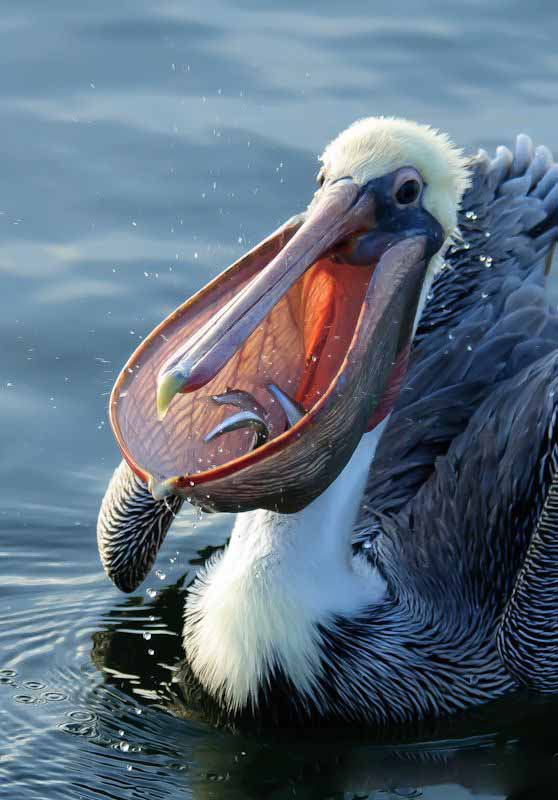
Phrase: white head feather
{"type": "Point", "coordinates": [375, 146]}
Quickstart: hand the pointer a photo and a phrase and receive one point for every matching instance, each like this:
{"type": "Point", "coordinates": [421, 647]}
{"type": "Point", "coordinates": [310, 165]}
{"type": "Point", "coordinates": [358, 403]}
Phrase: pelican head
{"type": "Point", "coordinates": [256, 391]}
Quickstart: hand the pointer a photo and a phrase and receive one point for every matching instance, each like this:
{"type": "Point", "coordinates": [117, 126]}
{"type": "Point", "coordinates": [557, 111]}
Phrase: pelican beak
{"type": "Point", "coordinates": [308, 334]}
{"type": "Point", "coordinates": [339, 212]}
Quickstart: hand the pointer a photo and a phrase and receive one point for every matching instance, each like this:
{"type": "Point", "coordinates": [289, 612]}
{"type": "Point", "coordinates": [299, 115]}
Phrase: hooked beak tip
{"type": "Point", "coordinates": [168, 385]}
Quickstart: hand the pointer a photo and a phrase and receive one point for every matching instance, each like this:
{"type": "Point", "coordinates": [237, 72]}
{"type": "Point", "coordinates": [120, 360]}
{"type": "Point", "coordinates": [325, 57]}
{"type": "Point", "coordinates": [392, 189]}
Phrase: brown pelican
{"type": "Point", "coordinates": [374, 388]}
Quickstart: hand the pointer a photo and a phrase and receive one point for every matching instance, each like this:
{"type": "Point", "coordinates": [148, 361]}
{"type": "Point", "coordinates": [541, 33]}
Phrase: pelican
{"type": "Point", "coordinates": [373, 389]}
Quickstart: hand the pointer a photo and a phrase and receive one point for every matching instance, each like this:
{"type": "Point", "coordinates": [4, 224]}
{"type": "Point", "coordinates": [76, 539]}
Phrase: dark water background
{"type": "Point", "coordinates": [143, 146]}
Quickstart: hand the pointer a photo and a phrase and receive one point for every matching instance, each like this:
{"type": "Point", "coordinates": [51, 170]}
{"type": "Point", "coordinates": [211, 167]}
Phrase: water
{"type": "Point", "coordinates": [144, 146]}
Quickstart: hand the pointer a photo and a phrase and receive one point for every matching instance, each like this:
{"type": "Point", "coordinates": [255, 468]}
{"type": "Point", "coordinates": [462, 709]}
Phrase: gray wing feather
{"type": "Point", "coordinates": [479, 509]}
{"type": "Point", "coordinates": [490, 510]}
{"type": "Point", "coordinates": [528, 633]}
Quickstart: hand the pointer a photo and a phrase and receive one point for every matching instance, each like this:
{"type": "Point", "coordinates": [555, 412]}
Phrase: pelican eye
{"type": "Point", "coordinates": [320, 178]}
{"type": "Point", "coordinates": [408, 192]}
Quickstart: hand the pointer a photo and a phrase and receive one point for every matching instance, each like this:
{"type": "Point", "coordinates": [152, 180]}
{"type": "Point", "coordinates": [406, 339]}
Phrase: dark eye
{"type": "Point", "coordinates": [408, 192]}
{"type": "Point", "coordinates": [320, 178]}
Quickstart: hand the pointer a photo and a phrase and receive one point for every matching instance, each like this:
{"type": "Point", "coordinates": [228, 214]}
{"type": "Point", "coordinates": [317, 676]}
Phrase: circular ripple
{"type": "Point", "coordinates": [54, 697]}
{"type": "Point", "coordinates": [33, 685]}
{"type": "Point", "coordinates": [76, 728]}
{"type": "Point", "coordinates": [7, 673]}
{"type": "Point", "coordinates": [81, 716]}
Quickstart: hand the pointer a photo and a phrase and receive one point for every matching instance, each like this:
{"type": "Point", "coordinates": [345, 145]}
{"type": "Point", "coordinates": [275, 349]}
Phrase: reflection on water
{"type": "Point", "coordinates": [144, 146]}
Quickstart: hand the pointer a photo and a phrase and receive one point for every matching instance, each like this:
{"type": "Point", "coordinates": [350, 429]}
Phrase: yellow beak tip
{"type": "Point", "coordinates": [161, 411]}
{"type": "Point", "coordinates": [167, 387]}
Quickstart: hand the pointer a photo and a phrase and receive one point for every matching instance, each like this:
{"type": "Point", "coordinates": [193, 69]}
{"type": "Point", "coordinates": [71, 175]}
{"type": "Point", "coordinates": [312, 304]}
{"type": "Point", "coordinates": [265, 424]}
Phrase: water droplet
{"type": "Point", "coordinates": [151, 652]}
{"type": "Point", "coordinates": [124, 746]}
{"type": "Point", "coordinates": [469, 347]}
{"type": "Point", "coordinates": [147, 636]}
{"type": "Point", "coordinates": [160, 575]}
{"type": "Point", "coordinates": [129, 767]}
{"type": "Point", "coordinates": [151, 593]}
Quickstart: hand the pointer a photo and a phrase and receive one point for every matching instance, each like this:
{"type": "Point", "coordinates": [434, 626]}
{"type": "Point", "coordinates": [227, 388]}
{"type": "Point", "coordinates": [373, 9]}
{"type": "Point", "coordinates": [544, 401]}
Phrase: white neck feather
{"type": "Point", "coordinates": [256, 607]}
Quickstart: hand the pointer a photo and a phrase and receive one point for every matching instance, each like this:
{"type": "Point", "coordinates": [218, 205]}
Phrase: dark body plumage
{"type": "Point", "coordinates": [460, 510]}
